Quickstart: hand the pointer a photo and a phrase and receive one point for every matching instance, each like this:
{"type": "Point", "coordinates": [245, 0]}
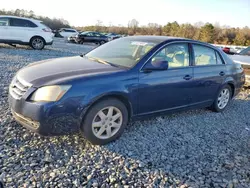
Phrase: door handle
{"type": "Point", "coordinates": [187, 77]}
{"type": "Point", "coordinates": [222, 73]}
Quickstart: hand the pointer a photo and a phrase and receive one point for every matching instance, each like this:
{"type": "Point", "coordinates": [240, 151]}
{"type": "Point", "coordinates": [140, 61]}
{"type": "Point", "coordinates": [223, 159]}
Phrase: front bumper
{"type": "Point", "coordinates": [47, 119]}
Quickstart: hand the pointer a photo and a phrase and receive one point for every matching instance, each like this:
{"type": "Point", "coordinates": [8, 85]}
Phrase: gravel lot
{"type": "Point", "coordinates": [197, 148]}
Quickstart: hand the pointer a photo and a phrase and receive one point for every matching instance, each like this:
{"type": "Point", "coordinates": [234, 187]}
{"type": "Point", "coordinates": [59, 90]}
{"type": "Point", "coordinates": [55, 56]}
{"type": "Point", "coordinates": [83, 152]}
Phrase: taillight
{"type": "Point", "coordinates": [47, 30]}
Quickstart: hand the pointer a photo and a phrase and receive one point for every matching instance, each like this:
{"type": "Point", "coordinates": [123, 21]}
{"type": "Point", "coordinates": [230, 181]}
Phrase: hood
{"type": "Point", "coordinates": [54, 71]}
{"type": "Point", "coordinates": [242, 59]}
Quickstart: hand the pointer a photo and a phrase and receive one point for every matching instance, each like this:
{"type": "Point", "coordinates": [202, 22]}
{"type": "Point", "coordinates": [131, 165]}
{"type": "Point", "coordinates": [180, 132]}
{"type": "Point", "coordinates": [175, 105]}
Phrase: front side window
{"type": "Point", "coordinates": [15, 22]}
{"type": "Point", "coordinates": [123, 52]}
{"type": "Point", "coordinates": [90, 34]}
{"type": "Point", "coordinates": [204, 55]}
{"type": "Point", "coordinates": [176, 55]}
{"type": "Point", "coordinates": [4, 21]}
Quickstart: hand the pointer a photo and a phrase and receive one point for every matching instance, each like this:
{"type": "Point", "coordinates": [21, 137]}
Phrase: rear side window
{"type": "Point", "coordinates": [16, 22]}
{"type": "Point", "coordinates": [204, 55]}
{"type": "Point", "coordinates": [4, 21]}
{"type": "Point", "coordinates": [218, 58]}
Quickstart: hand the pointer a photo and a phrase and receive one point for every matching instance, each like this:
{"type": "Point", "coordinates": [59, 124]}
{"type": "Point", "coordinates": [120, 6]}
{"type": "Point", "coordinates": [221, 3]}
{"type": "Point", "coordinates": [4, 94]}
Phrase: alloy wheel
{"type": "Point", "coordinates": [223, 98]}
{"type": "Point", "coordinates": [37, 43]}
{"type": "Point", "coordinates": [107, 122]}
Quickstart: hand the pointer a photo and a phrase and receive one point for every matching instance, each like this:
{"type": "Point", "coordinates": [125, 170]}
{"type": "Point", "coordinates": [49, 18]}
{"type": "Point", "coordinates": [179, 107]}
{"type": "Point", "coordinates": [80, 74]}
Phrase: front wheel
{"type": "Point", "coordinates": [102, 42]}
{"type": "Point", "coordinates": [105, 121]}
{"type": "Point", "coordinates": [222, 99]}
{"type": "Point", "coordinates": [37, 43]}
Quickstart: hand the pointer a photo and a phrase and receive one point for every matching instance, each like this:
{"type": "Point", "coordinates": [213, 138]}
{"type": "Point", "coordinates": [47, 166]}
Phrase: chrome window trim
{"type": "Point", "coordinates": [188, 42]}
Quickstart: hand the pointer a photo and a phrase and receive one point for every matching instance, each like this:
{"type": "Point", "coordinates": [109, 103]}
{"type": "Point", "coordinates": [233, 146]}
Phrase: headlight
{"type": "Point", "coordinates": [50, 93]}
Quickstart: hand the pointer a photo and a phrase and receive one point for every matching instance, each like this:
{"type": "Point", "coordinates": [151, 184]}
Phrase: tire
{"type": "Point", "coordinates": [102, 42]}
{"type": "Point", "coordinates": [98, 135]}
{"type": "Point", "coordinates": [37, 43]}
{"type": "Point", "coordinates": [219, 105]}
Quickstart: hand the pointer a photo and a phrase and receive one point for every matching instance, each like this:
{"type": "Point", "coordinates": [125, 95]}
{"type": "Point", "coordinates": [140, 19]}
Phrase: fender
{"type": "Point", "coordinates": [117, 94]}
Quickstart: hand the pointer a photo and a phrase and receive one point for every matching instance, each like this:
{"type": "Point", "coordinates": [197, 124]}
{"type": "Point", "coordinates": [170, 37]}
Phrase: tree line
{"type": "Point", "coordinates": [54, 23]}
{"type": "Point", "coordinates": [211, 33]}
{"type": "Point", "coordinates": [204, 32]}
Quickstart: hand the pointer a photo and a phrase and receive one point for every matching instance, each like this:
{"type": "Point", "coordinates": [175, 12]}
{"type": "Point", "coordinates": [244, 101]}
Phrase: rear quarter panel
{"type": "Point", "coordinates": [235, 76]}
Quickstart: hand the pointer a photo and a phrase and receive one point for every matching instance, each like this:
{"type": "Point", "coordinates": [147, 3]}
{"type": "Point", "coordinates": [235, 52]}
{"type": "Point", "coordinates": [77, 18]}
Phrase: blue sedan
{"type": "Point", "coordinates": [126, 79]}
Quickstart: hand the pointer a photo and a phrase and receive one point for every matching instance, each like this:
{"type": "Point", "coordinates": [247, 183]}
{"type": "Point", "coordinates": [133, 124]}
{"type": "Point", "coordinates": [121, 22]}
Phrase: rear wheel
{"type": "Point", "coordinates": [222, 99]}
{"type": "Point", "coordinates": [105, 121]}
{"type": "Point", "coordinates": [37, 43]}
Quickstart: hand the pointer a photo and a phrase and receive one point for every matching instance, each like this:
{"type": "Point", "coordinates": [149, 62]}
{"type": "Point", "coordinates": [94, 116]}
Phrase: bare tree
{"type": "Point", "coordinates": [133, 24]}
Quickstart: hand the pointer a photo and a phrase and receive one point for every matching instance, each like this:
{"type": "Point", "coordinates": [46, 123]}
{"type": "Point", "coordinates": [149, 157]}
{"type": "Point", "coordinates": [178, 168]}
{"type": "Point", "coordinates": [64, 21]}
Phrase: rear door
{"type": "Point", "coordinates": [209, 74]}
{"type": "Point", "coordinates": [4, 29]}
{"type": "Point", "coordinates": [21, 29]}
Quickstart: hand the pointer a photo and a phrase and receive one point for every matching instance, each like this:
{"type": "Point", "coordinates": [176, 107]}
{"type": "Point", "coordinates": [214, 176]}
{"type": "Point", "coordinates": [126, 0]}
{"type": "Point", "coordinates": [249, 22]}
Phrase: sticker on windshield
{"type": "Point", "coordinates": [137, 43]}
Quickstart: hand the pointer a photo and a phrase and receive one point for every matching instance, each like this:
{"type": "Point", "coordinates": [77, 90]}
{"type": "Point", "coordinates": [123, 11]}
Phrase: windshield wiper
{"type": "Point", "coordinates": [103, 62]}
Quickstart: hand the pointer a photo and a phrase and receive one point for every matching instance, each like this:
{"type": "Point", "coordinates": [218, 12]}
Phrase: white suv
{"type": "Point", "coordinates": [19, 30]}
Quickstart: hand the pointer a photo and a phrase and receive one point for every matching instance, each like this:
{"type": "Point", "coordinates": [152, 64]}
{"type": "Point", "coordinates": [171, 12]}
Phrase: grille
{"type": "Point", "coordinates": [18, 88]}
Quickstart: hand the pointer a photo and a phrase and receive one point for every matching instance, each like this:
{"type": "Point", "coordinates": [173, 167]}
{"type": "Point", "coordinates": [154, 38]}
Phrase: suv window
{"type": "Point", "coordinates": [177, 55]}
{"type": "Point", "coordinates": [16, 22]}
{"type": "Point", "coordinates": [204, 55]}
{"type": "Point", "coordinates": [4, 21]}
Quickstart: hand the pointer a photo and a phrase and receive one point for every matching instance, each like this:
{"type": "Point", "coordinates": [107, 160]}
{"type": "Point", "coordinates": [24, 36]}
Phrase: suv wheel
{"type": "Point", "coordinates": [222, 99]}
{"type": "Point", "coordinates": [105, 121]}
{"type": "Point", "coordinates": [37, 43]}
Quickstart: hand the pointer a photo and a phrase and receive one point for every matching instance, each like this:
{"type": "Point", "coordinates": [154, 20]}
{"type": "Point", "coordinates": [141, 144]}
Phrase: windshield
{"type": "Point", "coordinates": [121, 52]}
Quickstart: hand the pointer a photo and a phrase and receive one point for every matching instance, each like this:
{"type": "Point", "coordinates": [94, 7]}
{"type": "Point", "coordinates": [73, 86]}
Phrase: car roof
{"type": "Point", "coordinates": [30, 19]}
{"type": "Point", "coordinates": [160, 39]}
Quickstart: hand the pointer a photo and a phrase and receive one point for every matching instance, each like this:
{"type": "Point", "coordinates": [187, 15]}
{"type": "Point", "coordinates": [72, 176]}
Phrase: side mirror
{"type": "Point", "coordinates": [156, 65]}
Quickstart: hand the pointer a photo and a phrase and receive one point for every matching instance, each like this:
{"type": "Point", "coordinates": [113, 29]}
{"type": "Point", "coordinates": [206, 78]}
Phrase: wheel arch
{"type": "Point", "coordinates": [230, 81]}
{"type": "Point", "coordinates": [117, 95]}
{"type": "Point", "coordinates": [39, 37]}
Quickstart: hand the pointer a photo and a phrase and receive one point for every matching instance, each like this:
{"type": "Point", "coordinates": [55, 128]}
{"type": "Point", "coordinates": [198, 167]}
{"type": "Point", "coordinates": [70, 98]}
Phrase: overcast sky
{"type": "Point", "coordinates": [234, 13]}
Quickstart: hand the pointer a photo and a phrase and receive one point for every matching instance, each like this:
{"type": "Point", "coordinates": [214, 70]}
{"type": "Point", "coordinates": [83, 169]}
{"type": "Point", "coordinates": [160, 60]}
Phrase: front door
{"type": "Point", "coordinates": [161, 90]}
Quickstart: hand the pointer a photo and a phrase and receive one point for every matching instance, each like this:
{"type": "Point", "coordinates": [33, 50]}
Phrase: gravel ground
{"type": "Point", "coordinates": [197, 148]}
